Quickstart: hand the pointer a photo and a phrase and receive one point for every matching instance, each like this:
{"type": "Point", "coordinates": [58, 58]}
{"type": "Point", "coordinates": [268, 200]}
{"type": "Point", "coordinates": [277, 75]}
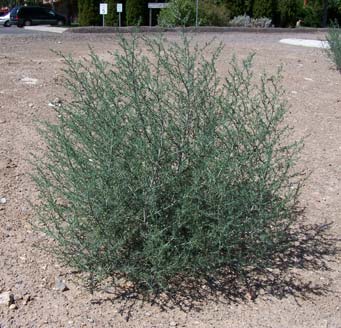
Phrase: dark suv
{"type": "Point", "coordinates": [27, 16]}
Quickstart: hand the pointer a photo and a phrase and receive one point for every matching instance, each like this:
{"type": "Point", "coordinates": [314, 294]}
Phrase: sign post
{"type": "Point", "coordinates": [151, 6]}
{"type": "Point", "coordinates": [197, 13]}
{"type": "Point", "coordinates": [119, 10]}
{"type": "Point", "coordinates": [103, 10]}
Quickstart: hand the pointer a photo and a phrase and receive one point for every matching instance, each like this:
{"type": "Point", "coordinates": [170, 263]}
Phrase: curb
{"type": "Point", "coordinates": [46, 28]}
{"type": "Point", "coordinates": [204, 29]}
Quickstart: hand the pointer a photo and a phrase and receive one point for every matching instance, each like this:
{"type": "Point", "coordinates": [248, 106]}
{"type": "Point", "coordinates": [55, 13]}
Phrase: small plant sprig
{"type": "Point", "coordinates": [334, 43]}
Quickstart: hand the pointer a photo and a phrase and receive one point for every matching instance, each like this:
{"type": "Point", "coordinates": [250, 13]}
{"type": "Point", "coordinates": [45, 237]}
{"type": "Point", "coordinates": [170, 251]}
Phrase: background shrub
{"type": "Point", "coordinates": [159, 170]}
{"type": "Point", "coordinates": [112, 18]}
{"type": "Point", "coordinates": [289, 12]}
{"type": "Point", "coordinates": [178, 13]}
{"type": "Point", "coordinates": [263, 8]}
{"type": "Point", "coordinates": [311, 15]}
{"type": "Point", "coordinates": [136, 12]}
{"type": "Point", "coordinates": [182, 13]}
{"type": "Point", "coordinates": [213, 13]}
{"type": "Point", "coordinates": [247, 21]}
{"type": "Point", "coordinates": [88, 13]}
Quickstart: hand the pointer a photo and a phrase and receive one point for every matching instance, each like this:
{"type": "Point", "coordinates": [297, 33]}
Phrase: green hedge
{"type": "Point", "coordinates": [137, 12]}
{"type": "Point", "coordinates": [88, 12]}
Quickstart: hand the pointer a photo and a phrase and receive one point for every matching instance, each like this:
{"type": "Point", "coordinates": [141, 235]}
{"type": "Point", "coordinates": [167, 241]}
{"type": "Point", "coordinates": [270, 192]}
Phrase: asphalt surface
{"type": "Point", "coordinates": [14, 30]}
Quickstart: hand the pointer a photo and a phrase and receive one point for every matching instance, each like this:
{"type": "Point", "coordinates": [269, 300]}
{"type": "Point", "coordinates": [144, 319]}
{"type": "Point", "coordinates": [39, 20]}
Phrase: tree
{"type": "Point", "coordinates": [263, 8]}
{"type": "Point", "coordinates": [289, 11]}
{"type": "Point", "coordinates": [136, 12]}
{"type": "Point", "coordinates": [88, 12]}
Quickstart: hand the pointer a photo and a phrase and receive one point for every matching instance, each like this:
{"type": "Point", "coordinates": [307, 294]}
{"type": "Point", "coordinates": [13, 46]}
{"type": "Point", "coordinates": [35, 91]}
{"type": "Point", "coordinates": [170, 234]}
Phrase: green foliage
{"type": "Point", "coordinates": [136, 12]}
{"type": "Point", "coordinates": [239, 7]}
{"type": "Point", "coordinates": [263, 8]}
{"type": "Point", "coordinates": [289, 11]}
{"type": "Point", "coordinates": [311, 15]}
{"type": "Point", "coordinates": [213, 13]}
{"type": "Point", "coordinates": [334, 10]}
{"type": "Point", "coordinates": [178, 13]}
{"type": "Point", "coordinates": [88, 12]}
{"type": "Point", "coordinates": [159, 169]}
{"type": "Point", "coordinates": [182, 13]}
{"type": "Point", "coordinates": [334, 42]}
{"type": "Point", "coordinates": [112, 18]}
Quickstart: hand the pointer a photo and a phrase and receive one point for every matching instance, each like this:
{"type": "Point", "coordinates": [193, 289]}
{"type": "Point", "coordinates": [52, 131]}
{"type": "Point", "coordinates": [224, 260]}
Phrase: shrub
{"type": "Point", "coordinates": [239, 7]}
{"type": "Point", "coordinates": [136, 12]}
{"type": "Point", "coordinates": [182, 13]}
{"type": "Point", "coordinates": [159, 170]}
{"type": "Point", "coordinates": [111, 19]}
{"type": "Point", "coordinates": [263, 8]}
{"type": "Point", "coordinates": [334, 42]}
{"type": "Point", "coordinates": [213, 13]}
{"type": "Point", "coordinates": [88, 12]}
{"type": "Point", "coordinates": [241, 21]}
{"type": "Point", "coordinates": [289, 11]}
{"type": "Point", "coordinates": [178, 13]}
{"type": "Point", "coordinates": [247, 21]}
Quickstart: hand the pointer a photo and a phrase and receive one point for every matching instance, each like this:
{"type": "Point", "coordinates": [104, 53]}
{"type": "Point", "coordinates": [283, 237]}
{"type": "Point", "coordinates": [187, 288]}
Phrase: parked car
{"type": "Point", "coordinates": [4, 11]}
{"type": "Point", "coordinates": [29, 15]}
{"type": "Point", "coordinates": [5, 20]}
{"type": "Point", "coordinates": [13, 15]}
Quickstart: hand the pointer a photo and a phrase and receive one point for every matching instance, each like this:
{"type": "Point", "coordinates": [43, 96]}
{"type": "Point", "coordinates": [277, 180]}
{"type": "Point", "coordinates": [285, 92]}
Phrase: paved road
{"type": "Point", "coordinates": [14, 30]}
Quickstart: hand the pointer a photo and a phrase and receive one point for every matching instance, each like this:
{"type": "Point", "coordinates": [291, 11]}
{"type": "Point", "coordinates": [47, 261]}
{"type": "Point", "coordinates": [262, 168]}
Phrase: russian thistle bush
{"type": "Point", "coordinates": [159, 169]}
{"type": "Point", "coordinates": [334, 42]}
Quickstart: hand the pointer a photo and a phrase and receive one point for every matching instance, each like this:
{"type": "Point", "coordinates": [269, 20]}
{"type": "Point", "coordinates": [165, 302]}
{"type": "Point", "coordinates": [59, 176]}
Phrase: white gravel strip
{"type": "Point", "coordinates": [306, 43]}
{"type": "Point", "coordinates": [46, 28]}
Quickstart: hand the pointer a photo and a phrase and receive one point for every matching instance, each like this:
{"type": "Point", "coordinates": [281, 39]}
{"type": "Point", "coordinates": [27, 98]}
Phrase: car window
{"type": "Point", "coordinates": [51, 12]}
{"type": "Point", "coordinates": [14, 10]}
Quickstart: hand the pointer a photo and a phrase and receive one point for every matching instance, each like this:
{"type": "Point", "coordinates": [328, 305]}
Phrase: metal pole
{"type": "Point", "coordinates": [119, 19]}
{"type": "Point", "coordinates": [103, 20]}
{"type": "Point", "coordinates": [150, 17]}
{"type": "Point", "coordinates": [197, 14]}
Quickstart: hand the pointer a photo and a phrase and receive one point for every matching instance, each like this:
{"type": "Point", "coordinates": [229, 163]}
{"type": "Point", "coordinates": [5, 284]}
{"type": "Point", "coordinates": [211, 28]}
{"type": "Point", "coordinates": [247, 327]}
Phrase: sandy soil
{"type": "Point", "coordinates": [306, 296]}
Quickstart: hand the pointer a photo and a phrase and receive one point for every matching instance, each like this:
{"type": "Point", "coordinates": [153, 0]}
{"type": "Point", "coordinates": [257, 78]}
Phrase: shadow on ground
{"type": "Point", "coordinates": [312, 248]}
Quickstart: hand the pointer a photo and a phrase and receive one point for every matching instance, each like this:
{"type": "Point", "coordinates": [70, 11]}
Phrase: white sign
{"type": "Point", "coordinates": [153, 5]}
{"type": "Point", "coordinates": [119, 7]}
{"type": "Point", "coordinates": [103, 8]}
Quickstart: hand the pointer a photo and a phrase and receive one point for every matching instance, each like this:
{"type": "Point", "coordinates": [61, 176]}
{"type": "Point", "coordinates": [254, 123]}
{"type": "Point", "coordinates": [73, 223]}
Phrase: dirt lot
{"type": "Point", "coordinates": [311, 295]}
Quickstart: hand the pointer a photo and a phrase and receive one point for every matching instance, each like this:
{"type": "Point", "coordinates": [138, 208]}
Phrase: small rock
{"type": "Point", "coordinates": [29, 81]}
{"type": "Point", "coordinates": [3, 200]}
{"type": "Point", "coordinates": [26, 299]}
{"type": "Point", "coordinates": [308, 79]}
{"type": "Point", "coordinates": [30, 105]}
{"type": "Point", "coordinates": [51, 105]}
{"type": "Point", "coordinates": [13, 307]}
{"type": "Point", "coordinates": [60, 285]}
{"type": "Point", "coordinates": [6, 298]}
{"type": "Point", "coordinates": [173, 324]}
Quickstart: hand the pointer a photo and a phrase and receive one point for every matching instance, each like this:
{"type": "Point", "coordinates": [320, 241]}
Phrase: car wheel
{"type": "Point", "coordinates": [27, 23]}
{"type": "Point", "coordinates": [7, 24]}
{"type": "Point", "coordinates": [60, 23]}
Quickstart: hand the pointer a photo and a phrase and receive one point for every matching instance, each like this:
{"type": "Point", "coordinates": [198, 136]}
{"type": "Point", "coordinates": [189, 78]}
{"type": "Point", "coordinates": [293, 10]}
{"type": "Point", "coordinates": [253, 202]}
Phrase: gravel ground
{"type": "Point", "coordinates": [306, 296]}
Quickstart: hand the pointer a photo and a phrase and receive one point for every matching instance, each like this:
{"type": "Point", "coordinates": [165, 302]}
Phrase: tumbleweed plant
{"type": "Point", "coordinates": [160, 168]}
{"type": "Point", "coordinates": [334, 43]}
